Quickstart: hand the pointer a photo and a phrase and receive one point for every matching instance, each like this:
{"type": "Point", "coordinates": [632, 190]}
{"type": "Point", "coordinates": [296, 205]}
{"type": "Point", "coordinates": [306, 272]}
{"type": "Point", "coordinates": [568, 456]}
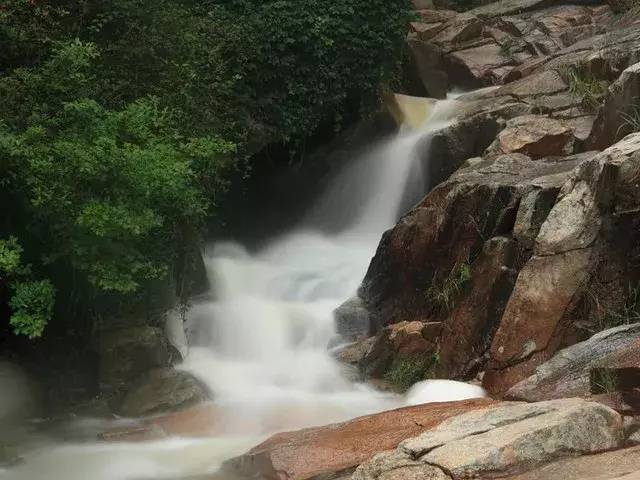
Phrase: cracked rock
{"type": "Point", "coordinates": [506, 438]}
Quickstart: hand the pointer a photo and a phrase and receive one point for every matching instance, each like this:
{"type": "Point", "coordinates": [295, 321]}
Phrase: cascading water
{"type": "Point", "coordinates": [259, 340]}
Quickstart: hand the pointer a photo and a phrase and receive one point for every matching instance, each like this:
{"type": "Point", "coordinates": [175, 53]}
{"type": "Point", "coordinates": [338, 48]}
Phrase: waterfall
{"type": "Point", "coordinates": [259, 339]}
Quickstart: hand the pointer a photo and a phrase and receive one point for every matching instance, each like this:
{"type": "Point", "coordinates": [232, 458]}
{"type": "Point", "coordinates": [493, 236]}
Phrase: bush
{"type": "Point", "coordinates": [122, 121]}
{"type": "Point", "coordinates": [404, 372]}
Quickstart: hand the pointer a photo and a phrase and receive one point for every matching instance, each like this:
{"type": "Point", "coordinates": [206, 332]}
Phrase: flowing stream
{"type": "Point", "coordinates": [259, 339]}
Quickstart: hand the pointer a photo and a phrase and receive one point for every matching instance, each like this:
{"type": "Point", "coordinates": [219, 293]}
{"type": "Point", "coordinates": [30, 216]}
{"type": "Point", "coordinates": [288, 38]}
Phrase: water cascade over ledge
{"type": "Point", "coordinates": [259, 339]}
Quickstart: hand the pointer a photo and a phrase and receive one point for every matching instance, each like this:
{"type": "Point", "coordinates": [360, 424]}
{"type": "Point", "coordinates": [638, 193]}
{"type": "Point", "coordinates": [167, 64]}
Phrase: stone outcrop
{"type": "Point", "coordinates": [162, 390]}
{"type": "Point", "coordinates": [338, 449]}
{"type": "Point", "coordinates": [535, 135]}
{"type": "Point", "coordinates": [488, 45]}
{"type": "Point", "coordinates": [500, 439]}
{"type": "Point", "coordinates": [572, 255]}
{"type": "Point", "coordinates": [127, 353]}
{"type": "Point", "coordinates": [567, 374]}
{"type": "Point", "coordinates": [418, 262]}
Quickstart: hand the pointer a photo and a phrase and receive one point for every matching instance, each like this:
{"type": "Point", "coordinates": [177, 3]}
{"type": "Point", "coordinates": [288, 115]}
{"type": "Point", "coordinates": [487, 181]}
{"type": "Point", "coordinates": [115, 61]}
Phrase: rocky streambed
{"type": "Point", "coordinates": [518, 271]}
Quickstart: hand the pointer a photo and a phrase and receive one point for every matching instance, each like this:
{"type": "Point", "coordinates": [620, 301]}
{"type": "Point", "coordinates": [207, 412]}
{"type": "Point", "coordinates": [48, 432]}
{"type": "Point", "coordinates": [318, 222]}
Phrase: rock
{"type": "Point", "coordinates": [467, 331]}
{"type": "Point", "coordinates": [533, 210]}
{"type": "Point", "coordinates": [354, 353]}
{"type": "Point", "coordinates": [632, 430]}
{"type": "Point", "coordinates": [536, 136]}
{"type": "Point", "coordinates": [529, 329]}
{"type": "Point", "coordinates": [162, 390]}
{"type": "Point", "coordinates": [620, 109]}
{"type": "Point", "coordinates": [616, 465]}
{"type": "Point", "coordinates": [127, 353]}
{"type": "Point", "coordinates": [426, 245]}
{"type": "Point", "coordinates": [476, 66]}
{"type": "Point", "coordinates": [482, 47]}
{"type": "Point", "coordinates": [567, 373]}
{"type": "Point", "coordinates": [428, 58]}
{"type": "Point", "coordinates": [572, 252]}
{"type": "Point", "coordinates": [403, 340]}
{"type": "Point", "coordinates": [352, 319]}
{"type": "Point", "coordinates": [339, 448]}
{"type": "Point", "coordinates": [201, 420]}
{"type": "Point", "coordinates": [536, 85]}
{"type": "Point", "coordinates": [503, 438]}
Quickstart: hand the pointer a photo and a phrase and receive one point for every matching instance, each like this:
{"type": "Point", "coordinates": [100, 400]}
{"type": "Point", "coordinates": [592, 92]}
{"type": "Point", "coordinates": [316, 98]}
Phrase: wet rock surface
{"type": "Point", "coordinates": [162, 390]}
{"type": "Point", "coordinates": [339, 448]}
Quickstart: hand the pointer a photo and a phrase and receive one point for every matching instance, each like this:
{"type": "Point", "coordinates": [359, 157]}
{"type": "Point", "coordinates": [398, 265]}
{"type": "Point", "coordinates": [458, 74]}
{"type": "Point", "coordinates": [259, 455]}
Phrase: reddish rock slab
{"type": "Point", "coordinates": [336, 448]}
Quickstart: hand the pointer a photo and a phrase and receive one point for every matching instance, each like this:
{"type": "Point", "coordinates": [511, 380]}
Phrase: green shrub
{"type": "Point", "coordinates": [585, 87]}
{"type": "Point", "coordinates": [122, 121]}
{"type": "Point", "coordinates": [405, 372]}
{"type": "Point", "coordinates": [32, 306]}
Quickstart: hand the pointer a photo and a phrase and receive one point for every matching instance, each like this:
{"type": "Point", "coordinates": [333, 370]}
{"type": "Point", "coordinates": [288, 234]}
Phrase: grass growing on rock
{"type": "Point", "coordinates": [631, 120]}
{"type": "Point", "coordinates": [585, 87]}
{"type": "Point", "coordinates": [444, 295]}
{"type": "Point", "coordinates": [404, 372]}
{"type": "Point", "coordinates": [629, 312]}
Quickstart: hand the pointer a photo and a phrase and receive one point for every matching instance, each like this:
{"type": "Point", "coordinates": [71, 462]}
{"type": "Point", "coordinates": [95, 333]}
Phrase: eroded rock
{"type": "Point", "coordinates": [503, 438]}
{"type": "Point", "coordinates": [567, 373]}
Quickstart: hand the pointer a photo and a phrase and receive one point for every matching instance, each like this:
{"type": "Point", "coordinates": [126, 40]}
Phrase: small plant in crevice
{"type": "Point", "coordinates": [625, 315]}
{"type": "Point", "coordinates": [584, 87]}
{"type": "Point", "coordinates": [508, 49]}
{"type": "Point", "coordinates": [444, 295]}
{"type": "Point", "coordinates": [404, 372]}
{"type": "Point", "coordinates": [603, 380]}
{"type": "Point", "coordinates": [630, 119]}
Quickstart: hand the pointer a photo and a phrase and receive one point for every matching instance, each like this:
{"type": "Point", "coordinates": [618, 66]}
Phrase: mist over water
{"type": "Point", "coordinates": [260, 342]}
{"type": "Point", "coordinates": [259, 339]}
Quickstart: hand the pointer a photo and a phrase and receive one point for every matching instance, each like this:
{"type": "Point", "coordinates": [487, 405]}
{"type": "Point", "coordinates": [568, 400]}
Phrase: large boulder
{"type": "Point", "coordinates": [416, 272]}
{"type": "Point", "coordinates": [339, 448]}
{"type": "Point", "coordinates": [577, 251]}
{"type": "Point", "coordinates": [352, 319]}
{"type": "Point", "coordinates": [129, 352]}
{"type": "Point", "coordinates": [162, 390]}
{"type": "Point", "coordinates": [500, 439]}
{"type": "Point", "coordinates": [467, 331]}
{"type": "Point", "coordinates": [567, 374]}
{"type": "Point", "coordinates": [536, 136]}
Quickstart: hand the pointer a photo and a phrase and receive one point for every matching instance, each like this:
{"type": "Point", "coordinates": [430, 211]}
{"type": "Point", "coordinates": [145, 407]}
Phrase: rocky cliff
{"type": "Point", "coordinates": [531, 241]}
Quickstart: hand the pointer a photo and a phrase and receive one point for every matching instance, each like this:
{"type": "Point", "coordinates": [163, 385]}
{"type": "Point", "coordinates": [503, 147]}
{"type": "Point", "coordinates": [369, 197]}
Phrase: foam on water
{"type": "Point", "coordinates": [259, 340]}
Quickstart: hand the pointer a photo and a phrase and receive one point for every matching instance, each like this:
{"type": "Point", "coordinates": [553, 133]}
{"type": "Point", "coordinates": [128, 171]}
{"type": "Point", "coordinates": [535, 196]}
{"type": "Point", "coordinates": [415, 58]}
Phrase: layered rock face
{"type": "Point", "coordinates": [494, 43]}
{"type": "Point", "coordinates": [531, 242]}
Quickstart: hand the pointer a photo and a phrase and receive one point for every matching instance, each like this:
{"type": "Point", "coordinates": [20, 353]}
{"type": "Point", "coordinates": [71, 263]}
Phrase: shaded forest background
{"type": "Point", "coordinates": [127, 128]}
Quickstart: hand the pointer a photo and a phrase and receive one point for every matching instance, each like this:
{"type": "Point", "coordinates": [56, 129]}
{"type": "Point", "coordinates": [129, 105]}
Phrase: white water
{"type": "Point", "coordinates": [260, 340]}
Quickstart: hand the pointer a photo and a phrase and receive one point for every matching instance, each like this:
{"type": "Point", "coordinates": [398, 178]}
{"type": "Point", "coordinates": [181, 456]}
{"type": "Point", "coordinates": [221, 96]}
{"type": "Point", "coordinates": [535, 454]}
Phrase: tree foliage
{"type": "Point", "coordinates": [122, 120]}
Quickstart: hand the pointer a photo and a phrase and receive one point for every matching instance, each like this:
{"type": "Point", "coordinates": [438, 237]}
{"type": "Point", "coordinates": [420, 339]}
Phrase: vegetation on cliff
{"type": "Point", "coordinates": [122, 122]}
